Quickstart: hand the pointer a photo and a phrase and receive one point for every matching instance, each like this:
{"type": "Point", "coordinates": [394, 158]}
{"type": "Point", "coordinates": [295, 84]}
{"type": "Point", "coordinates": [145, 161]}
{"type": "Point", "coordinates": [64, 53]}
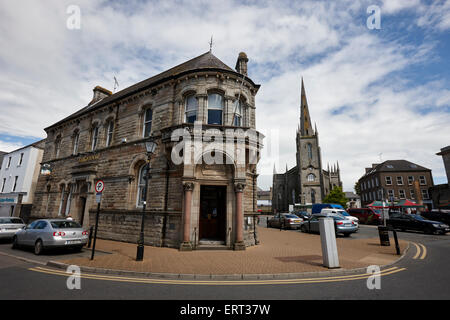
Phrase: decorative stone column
{"type": "Point", "coordinates": [186, 245]}
{"type": "Point", "coordinates": [239, 243]}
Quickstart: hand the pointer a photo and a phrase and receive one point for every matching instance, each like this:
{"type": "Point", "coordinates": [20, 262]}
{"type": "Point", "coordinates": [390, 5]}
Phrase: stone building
{"type": "Point", "coordinates": [400, 179]}
{"type": "Point", "coordinates": [202, 186]}
{"type": "Point", "coordinates": [307, 183]}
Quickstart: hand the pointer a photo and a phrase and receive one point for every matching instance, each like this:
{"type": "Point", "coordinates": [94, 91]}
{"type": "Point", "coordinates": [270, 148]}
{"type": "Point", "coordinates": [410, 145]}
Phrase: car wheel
{"type": "Point", "coordinates": [15, 245]}
{"type": "Point", "coordinates": [429, 231]}
{"type": "Point", "coordinates": [346, 235]}
{"type": "Point", "coordinates": [78, 249]}
{"type": "Point", "coordinates": [303, 229]}
{"type": "Point", "coordinates": [38, 247]}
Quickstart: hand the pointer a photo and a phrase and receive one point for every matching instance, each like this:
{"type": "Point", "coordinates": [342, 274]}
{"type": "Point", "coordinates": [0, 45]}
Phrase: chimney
{"type": "Point", "coordinates": [241, 63]}
{"type": "Point", "coordinates": [99, 94]}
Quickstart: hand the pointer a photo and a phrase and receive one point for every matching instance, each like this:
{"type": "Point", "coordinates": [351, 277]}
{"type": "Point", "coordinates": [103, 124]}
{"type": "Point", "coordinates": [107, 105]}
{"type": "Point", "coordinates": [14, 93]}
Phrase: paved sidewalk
{"type": "Point", "coordinates": [279, 252]}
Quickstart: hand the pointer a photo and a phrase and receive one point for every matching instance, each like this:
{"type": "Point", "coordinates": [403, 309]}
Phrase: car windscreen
{"type": "Point", "coordinates": [417, 217]}
{"type": "Point", "coordinates": [10, 220]}
{"type": "Point", "coordinates": [65, 224]}
{"type": "Point", "coordinates": [344, 213]}
{"type": "Point", "coordinates": [291, 216]}
{"type": "Point", "coordinates": [377, 211]}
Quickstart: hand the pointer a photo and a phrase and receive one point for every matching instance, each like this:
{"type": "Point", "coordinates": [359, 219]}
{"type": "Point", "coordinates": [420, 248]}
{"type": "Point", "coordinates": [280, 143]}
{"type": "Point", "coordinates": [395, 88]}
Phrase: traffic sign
{"type": "Point", "coordinates": [99, 186]}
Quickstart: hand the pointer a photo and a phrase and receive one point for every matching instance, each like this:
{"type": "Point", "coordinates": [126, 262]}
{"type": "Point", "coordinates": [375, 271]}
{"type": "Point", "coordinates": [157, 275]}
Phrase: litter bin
{"type": "Point", "coordinates": [384, 235]}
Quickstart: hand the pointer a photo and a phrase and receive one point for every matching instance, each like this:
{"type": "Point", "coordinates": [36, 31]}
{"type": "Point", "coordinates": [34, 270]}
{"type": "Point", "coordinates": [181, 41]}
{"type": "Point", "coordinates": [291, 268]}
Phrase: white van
{"type": "Point", "coordinates": [341, 212]}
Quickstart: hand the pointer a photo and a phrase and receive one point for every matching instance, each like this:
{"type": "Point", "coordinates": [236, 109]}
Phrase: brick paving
{"type": "Point", "coordinates": [278, 252]}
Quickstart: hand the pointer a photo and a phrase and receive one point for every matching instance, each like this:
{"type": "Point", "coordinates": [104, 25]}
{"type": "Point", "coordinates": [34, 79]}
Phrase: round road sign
{"type": "Point", "coordinates": [99, 186]}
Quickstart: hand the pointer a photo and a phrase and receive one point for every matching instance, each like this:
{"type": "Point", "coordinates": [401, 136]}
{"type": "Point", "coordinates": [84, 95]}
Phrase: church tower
{"type": "Point", "coordinates": [309, 162]}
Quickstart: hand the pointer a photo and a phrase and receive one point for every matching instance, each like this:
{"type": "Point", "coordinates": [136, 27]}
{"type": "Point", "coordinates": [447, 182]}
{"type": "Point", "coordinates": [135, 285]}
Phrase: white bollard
{"type": "Point", "coordinates": [328, 240]}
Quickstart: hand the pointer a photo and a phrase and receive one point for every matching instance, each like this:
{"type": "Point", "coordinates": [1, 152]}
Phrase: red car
{"type": "Point", "coordinates": [367, 215]}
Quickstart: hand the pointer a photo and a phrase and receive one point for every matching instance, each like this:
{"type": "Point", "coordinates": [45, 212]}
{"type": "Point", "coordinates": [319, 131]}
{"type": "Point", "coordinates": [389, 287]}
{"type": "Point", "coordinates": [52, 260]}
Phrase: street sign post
{"type": "Point", "coordinates": [99, 187]}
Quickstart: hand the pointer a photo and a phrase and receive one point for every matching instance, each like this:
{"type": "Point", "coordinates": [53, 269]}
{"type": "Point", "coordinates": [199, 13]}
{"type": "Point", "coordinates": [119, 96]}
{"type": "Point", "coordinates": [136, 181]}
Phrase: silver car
{"type": "Point", "coordinates": [9, 226]}
{"type": "Point", "coordinates": [51, 233]}
{"type": "Point", "coordinates": [341, 224]}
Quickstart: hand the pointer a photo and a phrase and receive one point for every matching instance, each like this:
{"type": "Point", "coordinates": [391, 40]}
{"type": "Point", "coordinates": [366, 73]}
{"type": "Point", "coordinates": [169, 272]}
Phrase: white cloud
{"type": "Point", "coordinates": [48, 71]}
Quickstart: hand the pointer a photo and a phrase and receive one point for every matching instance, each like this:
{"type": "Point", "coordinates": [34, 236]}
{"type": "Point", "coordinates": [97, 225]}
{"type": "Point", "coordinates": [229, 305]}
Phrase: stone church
{"type": "Point", "coordinates": [209, 198]}
{"type": "Point", "coordinates": [307, 183]}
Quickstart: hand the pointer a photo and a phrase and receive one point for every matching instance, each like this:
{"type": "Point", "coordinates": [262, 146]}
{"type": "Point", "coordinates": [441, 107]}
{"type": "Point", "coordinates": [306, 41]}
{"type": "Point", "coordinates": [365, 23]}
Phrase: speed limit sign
{"type": "Point", "coordinates": [99, 186]}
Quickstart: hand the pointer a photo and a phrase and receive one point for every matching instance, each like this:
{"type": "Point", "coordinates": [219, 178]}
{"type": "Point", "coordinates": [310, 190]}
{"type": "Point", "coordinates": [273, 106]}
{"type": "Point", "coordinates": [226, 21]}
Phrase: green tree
{"type": "Point", "coordinates": [357, 188]}
{"type": "Point", "coordinates": [336, 196]}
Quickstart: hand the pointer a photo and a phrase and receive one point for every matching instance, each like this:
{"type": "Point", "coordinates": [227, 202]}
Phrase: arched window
{"type": "Point", "coordinates": [148, 117]}
{"type": "Point", "coordinates": [109, 132]}
{"type": "Point", "coordinates": [94, 137]}
{"type": "Point", "coordinates": [215, 108]}
{"type": "Point", "coordinates": [191, 109]}
{"type": "Point", "coordinates": [311, 177]}
{"type": "Point", "coordinates": [141, 185]}
{"type": "Point", "coordinates": [309, 146]}
{"type": "Point", "coordinates": [57, 146]}
{"type": "Point", "coordinates": [237, 109]}
{"type": "Point", "coordinates": [76, 140]}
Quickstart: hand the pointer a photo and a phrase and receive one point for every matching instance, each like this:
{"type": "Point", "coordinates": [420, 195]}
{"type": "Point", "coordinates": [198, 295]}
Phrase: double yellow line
{"type": "Point", "coordinates": [218, 283]}
{"type": "Point", "coordinates": [421, 251]}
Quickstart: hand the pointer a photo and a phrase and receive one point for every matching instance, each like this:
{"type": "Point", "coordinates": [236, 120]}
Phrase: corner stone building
{"type": "Point", "coordinates": [189, 204]}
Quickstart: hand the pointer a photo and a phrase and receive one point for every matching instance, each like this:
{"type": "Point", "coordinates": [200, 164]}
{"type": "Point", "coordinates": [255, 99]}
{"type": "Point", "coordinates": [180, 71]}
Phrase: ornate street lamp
{"type": "Point", "coordinates": [150, 147]}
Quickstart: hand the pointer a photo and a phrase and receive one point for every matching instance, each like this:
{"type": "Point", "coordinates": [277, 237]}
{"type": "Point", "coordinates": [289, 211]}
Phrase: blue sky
{"type": "Point", "coordinates": [370, 91]}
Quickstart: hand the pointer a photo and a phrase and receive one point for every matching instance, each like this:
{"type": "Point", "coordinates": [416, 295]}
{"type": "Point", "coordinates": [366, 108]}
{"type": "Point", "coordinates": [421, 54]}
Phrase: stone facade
{"type": "Point", "coordinates": [106, 140]}
{"type": "Point", "coordinates": [307, 183]}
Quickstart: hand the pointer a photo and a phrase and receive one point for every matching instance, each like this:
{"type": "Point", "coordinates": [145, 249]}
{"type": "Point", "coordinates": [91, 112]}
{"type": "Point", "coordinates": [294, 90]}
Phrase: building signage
{"type": "Point", "coordinates": [7, 200]}
{"type": "Point", "coordinates": [89, 158]}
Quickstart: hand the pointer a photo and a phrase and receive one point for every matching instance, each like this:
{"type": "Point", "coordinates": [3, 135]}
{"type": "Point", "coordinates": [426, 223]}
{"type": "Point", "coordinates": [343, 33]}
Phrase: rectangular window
{"type": "Point", "coordinates": [94, 138]}
{"type": "Point", "coordinates": [238, 114]}
{"type": "Point", "coordinates": [191, 108]}
{"type": "Point", "coordinates": [400, 181]}
{"type": "Point", "coordinates": [20, 160]}
{"type": "Point", "coordinates": [3, 185]}
{"type": "Point", "coordinates": [425, 194]}
{"type": "Point", "coordinates": [109, 133]}
{"type": "Point", "coordinates": [15, 183]}
{"type": "Point", "coordinates": [148, 122]}
{"type": "Point", "coordinates": [422, 180]}
{"type": "Point", "coordinates": [412, 194]}
{"type": "Point", "coordinates": [376, 181]}
{"type": "Point", "coordinates": [388, 181]}
{"type": "Point", "coordinates": [215, 108]}
{"type": "Point", "coordinates": [410, 180]}
{"type": "Point", "coordinates": [391, 194]}
{"type": "Point", "coordinates": [9, 163]}
{"type": "Point", "coordinates": [401, 194]}
{"type": "Point", "coordinates": [75, 143]}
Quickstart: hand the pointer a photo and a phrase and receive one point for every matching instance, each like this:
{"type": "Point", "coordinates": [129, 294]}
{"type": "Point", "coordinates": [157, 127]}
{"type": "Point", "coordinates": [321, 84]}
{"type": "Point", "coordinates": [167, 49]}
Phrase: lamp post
{"type": "Point", "coordinates": [150, 148]}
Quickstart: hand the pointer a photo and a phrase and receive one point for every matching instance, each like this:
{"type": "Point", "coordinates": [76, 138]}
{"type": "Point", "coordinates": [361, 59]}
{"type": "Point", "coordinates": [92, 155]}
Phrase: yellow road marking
{"type": "Point", "coordinates": [418, 250]}
{"type": "Point", "coordinates": [424, 254]}
{"type": "Point", "coordinates": [224, 282]}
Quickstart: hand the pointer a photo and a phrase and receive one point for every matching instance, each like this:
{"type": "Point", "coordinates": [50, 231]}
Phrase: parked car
{"type": "Point", "coordinates": [436, 215]}
{"type": "Point", "coordinates": [9, 226]}
{"type": "Point", "coordinates": [341, 212]}
{"type": "Point", "coordinates": [317, 207]}
{"type": "Point", "coordinates": [367, 215]}
{"type": "Point", "coordinates": [51, 233]}
{"type": "Point", "coordinates": [302, 215]}
{"type": "Point", "coordinates": [341, 224]}
{"type": "Point", "coordinates": [286, 220]}
{"type": "Point", "coordinates": [416, 222]}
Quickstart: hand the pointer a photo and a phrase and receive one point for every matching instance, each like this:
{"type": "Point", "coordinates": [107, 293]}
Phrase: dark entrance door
{"type": "Point", "coordinates": [83, 207]}
{"type": "Point", "coordinates": [212, 222]}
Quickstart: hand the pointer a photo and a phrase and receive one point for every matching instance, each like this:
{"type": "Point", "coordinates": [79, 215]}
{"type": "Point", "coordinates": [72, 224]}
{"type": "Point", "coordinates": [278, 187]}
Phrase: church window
{"type": "Point", "coordinates": [311, 177]}
{"type": "Point", "coordinates": [309, 146]}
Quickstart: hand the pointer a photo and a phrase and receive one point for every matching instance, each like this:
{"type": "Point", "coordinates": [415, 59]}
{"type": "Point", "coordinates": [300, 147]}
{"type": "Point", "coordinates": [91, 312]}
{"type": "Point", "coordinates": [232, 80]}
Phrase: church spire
{"type": "Point", "coordinates": [305, 120]}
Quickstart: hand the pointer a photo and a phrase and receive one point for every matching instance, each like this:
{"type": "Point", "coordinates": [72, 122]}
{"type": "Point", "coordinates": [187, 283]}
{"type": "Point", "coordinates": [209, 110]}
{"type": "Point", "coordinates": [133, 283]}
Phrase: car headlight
{"type": "Point", "coordinates": [444, 226]}
{"type": "Point", "coordinates": [436, 225]}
